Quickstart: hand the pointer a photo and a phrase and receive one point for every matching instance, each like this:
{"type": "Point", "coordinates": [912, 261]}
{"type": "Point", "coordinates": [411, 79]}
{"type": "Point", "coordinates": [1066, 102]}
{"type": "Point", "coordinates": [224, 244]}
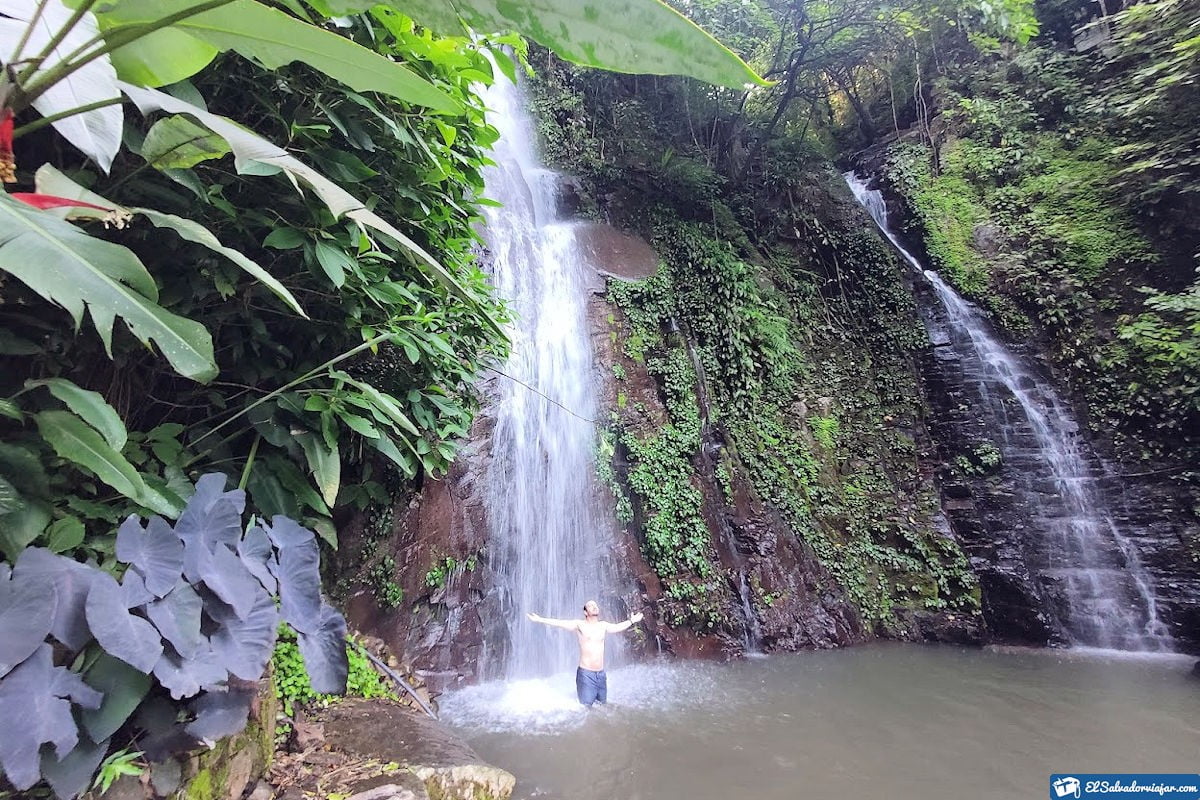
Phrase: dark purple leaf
{"type": "Point", "coordinates": [71, 685]}
{"type": "Point", "coordinates": [299, 574]}
{"type": "Point", "coordinates": [286, 532]}
{"type": "Point", "coordinates": [220, 714]}
{"type": "Point", "coordinates": [128, 637]}
{"type": "Point", "coordinates": [133, 589]}
{"type": "Point", "coordinates": [229, 580]}
{"type": "Point", "coordinates": [325, 653]}
{"type": "Point", "coordinates": [156, 551]}
{"type": "Point", "coordinates": [5, 571]}
{"type": "Point", "coordinates": [123, 688]}
{"type": "Point", "coordinates": [71, 581]}
{"type": "Point", "coordinates": [72, 775]}
{"type": "Point", "coordinates": [243, 646]}
{"type": "Point", "coordinates": [255, 552]}
{"type": "Point", "coordinates": [212, 515]}
{"type": "Point", "coordinates": [162, 735]}
{"type": "Point", "coordinates": [32, 716]}
{"type": "Point", "coordinates": [197, 559]}
{"type": "Point", "coordinates": [185, 677]}
{"type": "Point", "coordinates": [27, 608]}
{"type": "Point", "coordinates": [177, 617]}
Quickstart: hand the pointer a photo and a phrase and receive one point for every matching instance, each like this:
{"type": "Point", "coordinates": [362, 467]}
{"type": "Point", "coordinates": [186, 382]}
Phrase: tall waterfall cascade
{"type": "Point", "coordinates": [551, 545]}
{"type": "Point", "coordinates": [1072, 543]}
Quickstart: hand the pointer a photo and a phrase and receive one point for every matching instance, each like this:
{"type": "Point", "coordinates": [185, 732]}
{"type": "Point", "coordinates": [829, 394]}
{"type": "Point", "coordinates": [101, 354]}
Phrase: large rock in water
{"type": "Point", "coordinates": [447, 766]}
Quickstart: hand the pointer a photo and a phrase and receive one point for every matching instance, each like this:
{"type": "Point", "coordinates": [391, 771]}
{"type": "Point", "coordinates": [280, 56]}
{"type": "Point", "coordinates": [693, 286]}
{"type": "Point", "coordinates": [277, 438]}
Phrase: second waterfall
{"type": "Point", "coordinates": [551, 544]}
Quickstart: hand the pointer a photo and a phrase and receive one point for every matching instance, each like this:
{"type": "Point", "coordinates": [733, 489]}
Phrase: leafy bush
{"type": "Point", "coordinates": [193, 616]}
{"type": "Point", "coordinates": [293, 686]}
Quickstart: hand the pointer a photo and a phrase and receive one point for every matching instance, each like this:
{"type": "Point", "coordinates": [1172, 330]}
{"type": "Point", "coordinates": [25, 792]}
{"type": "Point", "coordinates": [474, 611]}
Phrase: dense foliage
{"type": "Point", "coordinates": [1060, 195]}
{"type": "Point", "coordinates": [309, 321]}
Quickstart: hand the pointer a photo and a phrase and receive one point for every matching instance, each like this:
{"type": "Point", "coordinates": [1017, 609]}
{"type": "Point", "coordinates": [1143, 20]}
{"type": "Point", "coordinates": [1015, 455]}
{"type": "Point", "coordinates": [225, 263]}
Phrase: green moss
{"type": "Point", "coordinates": [200, 787]}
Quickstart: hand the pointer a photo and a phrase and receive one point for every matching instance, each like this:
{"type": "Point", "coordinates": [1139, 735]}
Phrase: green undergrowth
{"type": "Point", "coordinates": [805, 358]}
{"type": "Point", "coordinates": [1023, 208]}
{"type": "Point", "coordinates": [294, 690]}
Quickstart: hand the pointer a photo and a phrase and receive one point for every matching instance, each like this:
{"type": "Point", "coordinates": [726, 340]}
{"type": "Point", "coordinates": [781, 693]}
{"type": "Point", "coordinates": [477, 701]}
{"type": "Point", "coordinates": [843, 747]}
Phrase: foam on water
{"type": "Point", "coordinates": [549, 704]}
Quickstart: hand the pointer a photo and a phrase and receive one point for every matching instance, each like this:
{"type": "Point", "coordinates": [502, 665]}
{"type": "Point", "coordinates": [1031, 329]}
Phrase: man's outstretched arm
{"type": "Point", "coordinates": [617, 627]}
{"type": "Point", "coordinates": [565, 624]}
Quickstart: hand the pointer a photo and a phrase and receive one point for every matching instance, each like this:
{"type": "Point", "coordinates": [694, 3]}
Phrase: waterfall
{"type": "Point", "coordinates": [1073, 545]}
{"type": "Point", "coordinates": [551, 547]}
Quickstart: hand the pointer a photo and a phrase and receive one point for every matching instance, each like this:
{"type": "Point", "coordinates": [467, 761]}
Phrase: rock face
{"type": "Point", "coordinates": [754, 544]}
{"type": "Point", "coordinates": [440, 629]}
{"type": "Point", "coordinates": [445, 765]}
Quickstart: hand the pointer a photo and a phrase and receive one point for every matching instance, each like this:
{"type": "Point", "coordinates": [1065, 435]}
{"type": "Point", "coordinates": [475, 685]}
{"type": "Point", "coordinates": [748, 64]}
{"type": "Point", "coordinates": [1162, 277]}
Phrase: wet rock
{"type": "Point", "coordinates": [615, 253]}
{"type": "Point", "coordinates": [261, 791]}
{"type": "Point", "coordinates": [388, 733]}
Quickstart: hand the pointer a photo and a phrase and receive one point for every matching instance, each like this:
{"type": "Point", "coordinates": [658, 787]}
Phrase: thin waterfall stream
{"type": "Point", "coordinates": [552, 546]}
{"type": "Point", "coordinates": [1073, 544]}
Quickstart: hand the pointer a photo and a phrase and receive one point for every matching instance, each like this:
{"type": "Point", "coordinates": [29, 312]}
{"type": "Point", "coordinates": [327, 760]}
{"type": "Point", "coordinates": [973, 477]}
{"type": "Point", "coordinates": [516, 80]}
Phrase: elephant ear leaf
{"type": "Point", "coordinates": [128, 637]}
{"type": "Point", "coordinates": [184, 677]}
{"type": "Point", "coordinates": [133, 590]}
{"type": "Point", "coordinates": [220, 713]}
{"type": "Point", "coordinates": [227, 577]}
{"type": "Point", "coordinates": [71, 775]}
{"type": "Point", "coordinates": [71, 581]}
{"type": "Point", "coordinates": [324, 653]}
{"type": "Point", "coordinates": [299, 575]}
{"type": "Point", "coordinates": [27, 606]}
{"type": "Point", "coordinates": [243, 646]}
{"type": "Point", "coordinates": [177, 617]}
{"type": "Point", "coordinates": [156, 552]}
{"type": "Point", "coordinates": [36, 694]}
{"type": "Point", "coordinates": [255, 552]}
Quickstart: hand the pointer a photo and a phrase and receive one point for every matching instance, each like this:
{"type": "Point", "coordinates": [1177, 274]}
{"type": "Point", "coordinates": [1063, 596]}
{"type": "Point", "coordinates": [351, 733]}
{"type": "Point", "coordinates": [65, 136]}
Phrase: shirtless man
{"type": "Point", "coordinates": [591, 684]}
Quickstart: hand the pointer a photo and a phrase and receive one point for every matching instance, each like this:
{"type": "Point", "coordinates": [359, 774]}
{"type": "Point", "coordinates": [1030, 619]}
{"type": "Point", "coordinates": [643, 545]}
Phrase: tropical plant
{"type": "Point", "coordinates": [73, 64]}
{"type": "Point", "coordinates": [193, 616]}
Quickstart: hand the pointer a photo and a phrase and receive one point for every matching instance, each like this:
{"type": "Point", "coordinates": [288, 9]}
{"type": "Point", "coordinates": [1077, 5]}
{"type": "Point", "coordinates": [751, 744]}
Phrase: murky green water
{"type": "Point", "coordinates": [884, 721]}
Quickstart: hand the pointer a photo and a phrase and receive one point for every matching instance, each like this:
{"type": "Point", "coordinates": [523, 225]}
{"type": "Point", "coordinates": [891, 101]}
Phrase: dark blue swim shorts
{"type": "Point", "coordinates": [591, 686]}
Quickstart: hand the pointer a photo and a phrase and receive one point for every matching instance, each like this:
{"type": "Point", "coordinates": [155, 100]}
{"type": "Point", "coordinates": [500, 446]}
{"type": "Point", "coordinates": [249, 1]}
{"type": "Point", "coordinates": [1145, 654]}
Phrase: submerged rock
{"type": "Point", "coordinates": [447, 767]}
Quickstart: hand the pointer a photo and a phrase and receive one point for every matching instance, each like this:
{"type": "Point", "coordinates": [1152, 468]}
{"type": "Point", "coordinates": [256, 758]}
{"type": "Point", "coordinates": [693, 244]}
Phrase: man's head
{"type": "Point", "coordinates": [591, 609]}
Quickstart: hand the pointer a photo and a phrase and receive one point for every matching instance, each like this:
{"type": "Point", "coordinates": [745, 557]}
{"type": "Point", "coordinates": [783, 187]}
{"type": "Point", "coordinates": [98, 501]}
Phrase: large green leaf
{"type": "Point", "coordinates": [89, 405]}
{"type": "Point", "coordinates": [19, 528]}
{"type": "Point", "coordinates": [178, 143]}
{"type": "Point", "coordinates": [325, 464]}
{"type": "Point", "coordinates": [386, 404]}
{"type": "Point", "coordinates": [123, 688]}
{"type": "Point", "coordinates": [50, 181]}
{"type": "Point", "coordinates": [77, 442]}
{"type": "Point", "coordinates": [66, 266]}
{"type": "Point", "coordinates": [638, 36]}
{"type": "Point", "coordinates": [249, 149]}
{"type": "Point", "coordinates": [10, 499]}
{"type": "Point", "coordinates": [164, 57]}
{"type": "Point", "coordinates": [274, 39]}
